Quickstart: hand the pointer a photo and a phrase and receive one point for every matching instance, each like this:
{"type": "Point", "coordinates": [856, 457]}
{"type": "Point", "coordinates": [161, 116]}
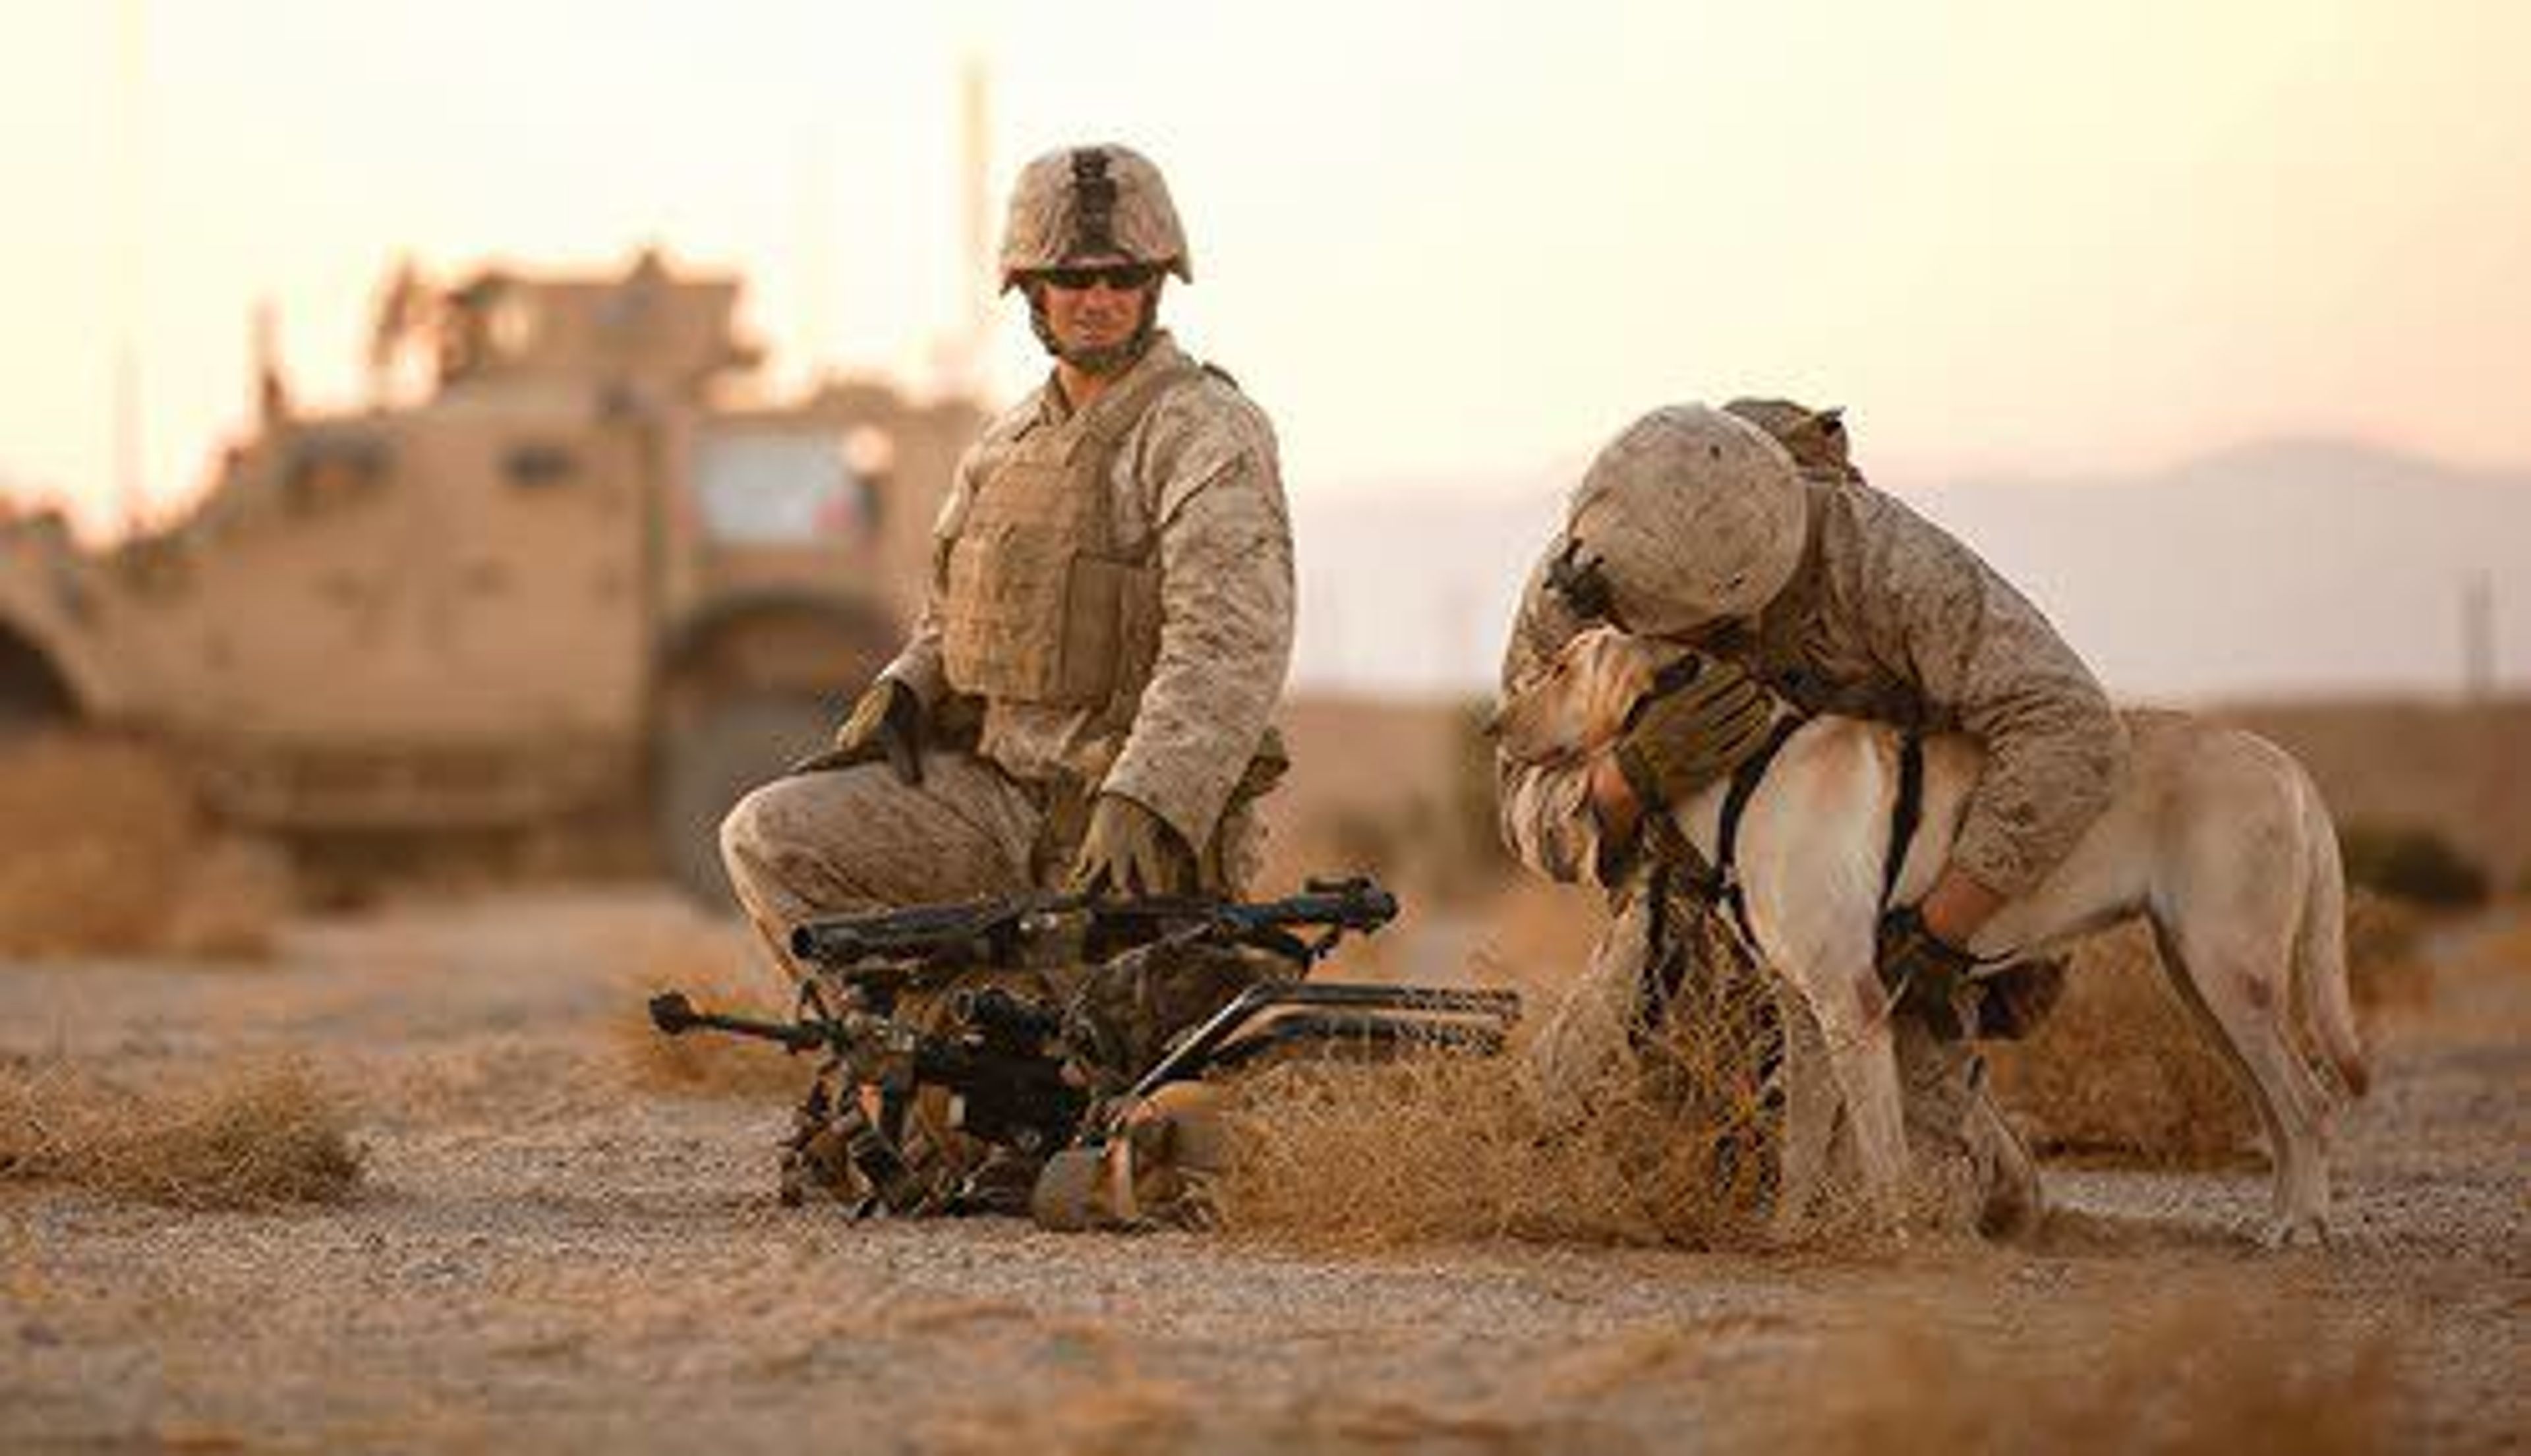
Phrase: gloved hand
{"type": "Point", "coordinates": [2013, 1001]}
{"type": "Point", "coordinates": [1687, 739]}
{"type": "Point", "coordinates": [1928, 976]}
{"type": "Point", "coordinates": [1132, 851]}
{"type": "Point", "coordinates": [886, 722]}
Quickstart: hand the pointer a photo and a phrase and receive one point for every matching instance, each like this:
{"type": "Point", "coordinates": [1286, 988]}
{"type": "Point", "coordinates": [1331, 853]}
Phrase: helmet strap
{"type": "Point", "coordinates": [1093, 203]}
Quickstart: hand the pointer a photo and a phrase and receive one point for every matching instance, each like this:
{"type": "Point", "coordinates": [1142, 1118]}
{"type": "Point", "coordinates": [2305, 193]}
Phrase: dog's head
{"type": "Point", "coordinates": [1575, 705]}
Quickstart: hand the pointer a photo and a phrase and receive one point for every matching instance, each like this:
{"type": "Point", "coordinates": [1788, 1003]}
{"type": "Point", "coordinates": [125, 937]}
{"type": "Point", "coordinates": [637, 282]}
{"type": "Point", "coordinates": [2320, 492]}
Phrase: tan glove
{"type": "Point", "coordinates": [887, 722]}
{"type": "Point", "coordinates": [1687, 739]}
{"type": "Point", "coordinates": [1132, 851]}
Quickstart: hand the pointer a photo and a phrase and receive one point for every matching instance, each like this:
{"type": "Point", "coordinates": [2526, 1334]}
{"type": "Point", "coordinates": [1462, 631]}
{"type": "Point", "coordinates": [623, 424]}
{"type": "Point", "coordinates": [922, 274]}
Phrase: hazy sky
{"type": "Point", "coordinates": [1439, 241]}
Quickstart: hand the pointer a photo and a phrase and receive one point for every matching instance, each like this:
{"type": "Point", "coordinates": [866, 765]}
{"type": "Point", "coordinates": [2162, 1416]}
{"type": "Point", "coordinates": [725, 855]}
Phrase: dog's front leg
{"type": "Point", "coordinates": [1810, 1115]}
{"type": "Point", "coordinates": [1854, 1020]}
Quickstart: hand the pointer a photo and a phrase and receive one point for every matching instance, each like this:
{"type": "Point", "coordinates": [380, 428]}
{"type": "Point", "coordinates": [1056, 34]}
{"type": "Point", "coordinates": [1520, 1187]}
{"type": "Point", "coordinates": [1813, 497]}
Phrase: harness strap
{"type": "Point", "coordinates": [1679, 857]}
{"type": "Point", "coordinates": [1678, 864]}
{"type": "Point", "coordinates": [1665, 966]}
{"type": "Point", "coordinates": [1906, 815]}
{"type": "Point", "coordinates": [1704, 879]}
{"type": "Point", "coordinates": [1735, 803]}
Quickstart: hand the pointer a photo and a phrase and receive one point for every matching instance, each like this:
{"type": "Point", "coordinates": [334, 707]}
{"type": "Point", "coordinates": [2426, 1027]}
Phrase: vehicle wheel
{"type": "Point", "coordinates": [707, 762]}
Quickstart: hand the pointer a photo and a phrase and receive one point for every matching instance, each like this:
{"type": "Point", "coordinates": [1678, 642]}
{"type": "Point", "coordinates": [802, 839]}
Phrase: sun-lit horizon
{"type": "Point", "coordinates": [1439, 242]}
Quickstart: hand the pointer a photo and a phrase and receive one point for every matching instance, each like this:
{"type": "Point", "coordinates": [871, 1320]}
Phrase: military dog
{"type": "Point", "coordinates": [2218, 838]}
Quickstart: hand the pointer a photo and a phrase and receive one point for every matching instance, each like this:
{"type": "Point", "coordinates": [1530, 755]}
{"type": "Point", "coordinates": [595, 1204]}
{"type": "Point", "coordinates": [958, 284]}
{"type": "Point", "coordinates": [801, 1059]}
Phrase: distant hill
{"type": "Point", "coordinates": [2284, 569]}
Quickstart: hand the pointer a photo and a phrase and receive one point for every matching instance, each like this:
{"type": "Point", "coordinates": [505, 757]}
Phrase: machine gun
{"type": "Point", "coordinates": [898, 946]}
{"type": "Point", "coordinates": [1029, 1075]}
{"type": "Point", "coordinates": [997, 1064]}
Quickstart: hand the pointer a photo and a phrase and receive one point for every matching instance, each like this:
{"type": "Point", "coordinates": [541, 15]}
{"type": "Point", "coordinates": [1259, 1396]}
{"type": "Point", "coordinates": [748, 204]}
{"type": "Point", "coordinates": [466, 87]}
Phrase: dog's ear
{"type": "Point", "coordinates": [1610, 672]}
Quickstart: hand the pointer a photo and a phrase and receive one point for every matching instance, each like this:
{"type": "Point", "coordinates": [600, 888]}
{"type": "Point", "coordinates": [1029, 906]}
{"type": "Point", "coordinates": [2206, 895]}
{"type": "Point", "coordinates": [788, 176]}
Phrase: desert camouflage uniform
{"type": "Point", "coordinates": [1887, 618]}
{"type": "Point", "coordinates": [1193, 494]}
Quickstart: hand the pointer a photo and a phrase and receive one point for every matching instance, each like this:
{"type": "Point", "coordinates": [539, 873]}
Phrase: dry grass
{"type": "Point", "coordinates": [109, 855]}
{"type": "Point", "coordinates": [2386, 969]}
{"type": "Point", "coordinates": [2507, 952]}
{"type": "Point", "coordinates": [1678, 1148]}
{"type": "Point", "coordinates": [719, 969]}
{"type": "Point", "coordinates": [98, 832]}
{"type": "Point", "coordinates": [2203, 1374]}
{"type": "Point", "coordinates": [254, 1138]}
{"type": "Point", "coordinates": [2119, 1071]}
{"type": "Point", "coordinates": [236, 892]}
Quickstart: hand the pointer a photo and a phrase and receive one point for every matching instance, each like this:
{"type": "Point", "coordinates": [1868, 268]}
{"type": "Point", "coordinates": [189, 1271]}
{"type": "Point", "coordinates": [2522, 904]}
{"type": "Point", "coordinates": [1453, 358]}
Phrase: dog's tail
{"type": "Point", "coordinates": [2319, 945]}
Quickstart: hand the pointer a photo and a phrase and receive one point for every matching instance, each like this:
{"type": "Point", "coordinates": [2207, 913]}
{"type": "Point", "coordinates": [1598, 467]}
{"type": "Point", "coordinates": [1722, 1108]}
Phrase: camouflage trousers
{"type": "Point", "coordinates": [851, 840]}
{"type": "Point", "coordinates": [857, 839]}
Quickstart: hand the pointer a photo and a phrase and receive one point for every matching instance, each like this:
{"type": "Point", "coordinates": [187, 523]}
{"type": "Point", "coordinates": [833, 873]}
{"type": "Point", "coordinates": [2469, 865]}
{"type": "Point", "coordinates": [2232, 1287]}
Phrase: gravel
{"type": "Point", "coordinates": [550, 1255]}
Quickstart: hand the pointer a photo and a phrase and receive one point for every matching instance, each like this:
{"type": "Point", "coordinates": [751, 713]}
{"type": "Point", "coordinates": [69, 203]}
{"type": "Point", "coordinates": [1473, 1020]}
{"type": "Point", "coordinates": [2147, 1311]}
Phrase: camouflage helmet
{"type": "Point", "coordinates": [1083, 201]}
{"type": "Point", "coordinates": [1815, 438]}
{"type": "Point", "coordinates": [1692, 516]}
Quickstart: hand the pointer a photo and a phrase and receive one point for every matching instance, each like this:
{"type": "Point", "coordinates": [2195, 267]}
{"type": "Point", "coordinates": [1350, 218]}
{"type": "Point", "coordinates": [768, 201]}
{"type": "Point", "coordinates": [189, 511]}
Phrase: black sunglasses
{"type": "Point", "coordinates": [1118, 277]}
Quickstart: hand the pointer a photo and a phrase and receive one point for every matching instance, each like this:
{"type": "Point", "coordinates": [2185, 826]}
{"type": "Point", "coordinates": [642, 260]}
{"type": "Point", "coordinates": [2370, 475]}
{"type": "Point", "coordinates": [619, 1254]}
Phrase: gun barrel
{"type": "Point", "coordinates": [1363, 907]}
{"type": "Point", "coordinates": [958, 929]}
{"type": "Point", "coordinates": [674, 1015]}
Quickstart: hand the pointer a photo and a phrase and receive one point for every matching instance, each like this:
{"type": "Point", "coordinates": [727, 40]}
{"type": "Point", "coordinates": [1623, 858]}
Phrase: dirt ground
{"type": "Point", "coordinates": [553, 1254]}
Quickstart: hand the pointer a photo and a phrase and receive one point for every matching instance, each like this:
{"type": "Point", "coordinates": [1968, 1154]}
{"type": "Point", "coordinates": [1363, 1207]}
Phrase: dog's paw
{"type": "Point", "coordinates": [2294, 1231]}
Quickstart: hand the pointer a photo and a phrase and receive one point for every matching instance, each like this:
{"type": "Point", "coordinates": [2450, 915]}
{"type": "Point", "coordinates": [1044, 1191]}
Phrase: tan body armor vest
{"type": "Point", "coordinates": [1041, 604]}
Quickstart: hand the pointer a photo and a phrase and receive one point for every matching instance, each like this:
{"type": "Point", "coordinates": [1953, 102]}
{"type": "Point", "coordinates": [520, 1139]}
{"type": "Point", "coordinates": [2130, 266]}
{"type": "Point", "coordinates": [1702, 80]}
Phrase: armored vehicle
{"type": "Point", "coordinates": [586, 575]}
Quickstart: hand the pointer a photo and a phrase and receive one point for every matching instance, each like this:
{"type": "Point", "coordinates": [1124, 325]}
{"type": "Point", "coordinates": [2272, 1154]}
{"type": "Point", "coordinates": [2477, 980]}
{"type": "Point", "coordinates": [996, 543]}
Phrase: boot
{"type": "Point", "coordinates": [2013, 1206]}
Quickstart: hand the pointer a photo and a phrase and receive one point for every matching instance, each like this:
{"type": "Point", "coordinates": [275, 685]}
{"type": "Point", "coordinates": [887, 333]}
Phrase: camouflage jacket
{"type": "Point", "coordinates": [1888, 617]}
{"type": "Point", "coordinates": [1198, 488]}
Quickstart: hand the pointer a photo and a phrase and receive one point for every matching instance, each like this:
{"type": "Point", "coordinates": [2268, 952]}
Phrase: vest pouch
{"type": "Point", "coordinates": [1034, 622]}
{"type": "Point", "coordinates": [1042, 599]}
{"type": "Point", "coordinates": [1002, 634]}
{"type": "Point", "coordinates": [1120, 627]}
{"type": "Point", "coordinates": [1111, 633]}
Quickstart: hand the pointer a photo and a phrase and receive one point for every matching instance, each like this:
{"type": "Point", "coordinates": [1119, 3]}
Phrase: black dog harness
{"type": "Point", "coordinates": [1679, 867]}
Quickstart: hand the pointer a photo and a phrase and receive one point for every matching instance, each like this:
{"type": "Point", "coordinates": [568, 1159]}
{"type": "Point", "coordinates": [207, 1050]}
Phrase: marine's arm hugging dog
{"type": "Point", "coordinates": [2219, 839]}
